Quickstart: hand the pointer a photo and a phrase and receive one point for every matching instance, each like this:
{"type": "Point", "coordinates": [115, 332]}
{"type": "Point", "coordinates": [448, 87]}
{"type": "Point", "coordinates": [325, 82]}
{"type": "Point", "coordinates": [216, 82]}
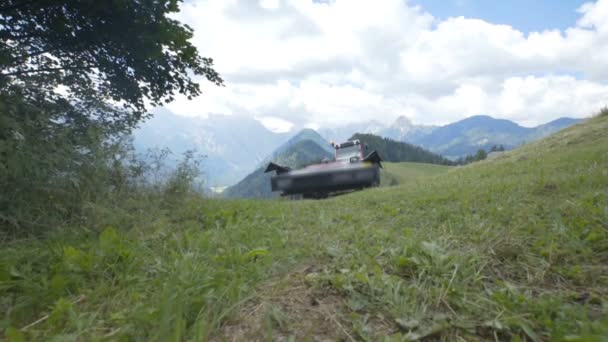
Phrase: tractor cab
{"type": "Point", "coordinates": [351, 151]}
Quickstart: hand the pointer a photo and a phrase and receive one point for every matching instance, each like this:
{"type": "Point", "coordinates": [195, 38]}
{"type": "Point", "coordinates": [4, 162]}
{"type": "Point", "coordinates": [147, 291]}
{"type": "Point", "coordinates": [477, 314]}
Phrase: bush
{"type": "Point", "coordinates": [43, 191]}
{"type": "Point", "coordinates": [184, 180]}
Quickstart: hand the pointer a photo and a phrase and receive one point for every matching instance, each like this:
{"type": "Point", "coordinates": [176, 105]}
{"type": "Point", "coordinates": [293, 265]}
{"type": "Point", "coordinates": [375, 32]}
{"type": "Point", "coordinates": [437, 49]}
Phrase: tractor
{"type": "Point", "coordinates": [351, 170]}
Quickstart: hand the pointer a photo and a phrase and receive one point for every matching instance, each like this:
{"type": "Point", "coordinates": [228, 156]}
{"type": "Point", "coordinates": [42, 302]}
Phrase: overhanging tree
{"type": "Point", "coordinates": [79, 72]}
{"type": "Point", "coordinates": [126, 51]}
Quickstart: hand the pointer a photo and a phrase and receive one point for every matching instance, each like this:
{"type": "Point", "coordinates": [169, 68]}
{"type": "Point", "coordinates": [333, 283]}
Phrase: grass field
{"type": "Point", "coordinates": [514, 248]}
{"type": "Point", "coordinates": [404, 173]}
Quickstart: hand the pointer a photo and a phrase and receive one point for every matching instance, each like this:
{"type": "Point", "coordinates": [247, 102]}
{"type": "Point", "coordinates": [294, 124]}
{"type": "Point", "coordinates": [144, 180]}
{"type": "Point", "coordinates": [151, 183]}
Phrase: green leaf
{"type": "Point", "coordinates": [428, 331]}
{"type": "Point", "coordinates": [528, 330]}
{"type": "Point", "coordinates": [61, 313]}
{"type": "Point", "coordinates": [109, 240]}
{"type": "Point", "coordinates": [256, 253]}
{"type": "Point", "coordinates": [407, 324]}
{"type": "Point", "coordinates": [494, 324]}
{"type": "Point", "coordinates": [14, 335]}
{"type": "Point", "coordinates": [333, 251]}
{"type": "Point", "coordinates": [4, 273]}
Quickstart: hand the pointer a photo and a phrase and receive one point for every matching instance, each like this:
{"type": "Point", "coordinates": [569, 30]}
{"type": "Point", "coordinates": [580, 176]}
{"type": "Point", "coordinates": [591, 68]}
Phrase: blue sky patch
{"type": "Point", "coordinates": [524, 15]}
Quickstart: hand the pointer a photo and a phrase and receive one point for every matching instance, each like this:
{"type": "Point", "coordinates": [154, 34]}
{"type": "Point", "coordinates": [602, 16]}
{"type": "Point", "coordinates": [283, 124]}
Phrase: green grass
{"type": "Point", "coordinates": [514, 248]}
{"type": "Point", "coordinates": [404, 173]}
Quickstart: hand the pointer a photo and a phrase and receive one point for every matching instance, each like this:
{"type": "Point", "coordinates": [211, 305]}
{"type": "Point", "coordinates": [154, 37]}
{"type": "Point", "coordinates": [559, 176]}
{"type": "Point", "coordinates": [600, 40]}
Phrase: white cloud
{"type": "Point", "coordinates": [325, 64]}
{"type": "Point", "coordinates": [270, 4]}
{"type": "Point", "coordinates": [594, 15]}
{"type": "Point", "coordinates": [275, 124]}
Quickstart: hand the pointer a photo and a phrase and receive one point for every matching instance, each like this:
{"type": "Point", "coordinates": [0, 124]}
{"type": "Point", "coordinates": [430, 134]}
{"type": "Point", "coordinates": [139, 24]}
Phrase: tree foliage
{"type": "Point", "coordinates": [121, 50]}
{"type": "Point", "coordinates": [499, 148]}
{"type": "Point", "coordinates": [75, 76]}
{"type": "Point", "coordinates": [481, 154]}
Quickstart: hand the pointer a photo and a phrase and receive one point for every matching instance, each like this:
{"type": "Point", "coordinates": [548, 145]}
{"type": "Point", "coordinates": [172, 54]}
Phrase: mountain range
{"type": "Point", "coordinates": [237, 145]}
{"type": "Point", "coordinates": [233, 145]}
{"type": "Point", "coordinates": [454, 140]}
{"type": "Point", "coordinates": [467, 136]}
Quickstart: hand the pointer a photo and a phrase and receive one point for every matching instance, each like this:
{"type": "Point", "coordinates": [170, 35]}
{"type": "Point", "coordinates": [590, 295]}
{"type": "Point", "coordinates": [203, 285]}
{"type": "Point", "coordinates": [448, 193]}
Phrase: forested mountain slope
{"type": "Point", "coordinates": [397, 151]}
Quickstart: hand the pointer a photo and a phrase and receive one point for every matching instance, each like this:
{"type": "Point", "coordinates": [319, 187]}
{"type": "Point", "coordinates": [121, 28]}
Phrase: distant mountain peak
{"type": "Point", "coordinates": [402, 122]}
{"type": "Point", "coordinates": [307, 131]}
{"type": "Point", "coordinates": [480, 116]}
{"type": "Point", "coordinates": [304, 134]}
{"type": "Point", "coordinates": [297, 152]}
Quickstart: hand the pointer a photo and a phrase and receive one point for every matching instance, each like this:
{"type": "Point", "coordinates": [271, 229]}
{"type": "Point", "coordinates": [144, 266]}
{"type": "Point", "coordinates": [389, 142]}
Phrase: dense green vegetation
{"type": "Point", "coordinates": [513, 248]}
{"type": "Point", "coordinates": [72, 85]}
{"type": "Point", "coordinates": [397, 151]}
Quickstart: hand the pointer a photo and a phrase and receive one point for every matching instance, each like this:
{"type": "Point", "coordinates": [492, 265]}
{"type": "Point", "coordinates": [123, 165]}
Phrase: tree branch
{"type": "Point", "coordinates": [23, 59]}
{"type": "Point", "coordinates": [16, 6]}
{"type": "Point", "coordinates": [23, 72]}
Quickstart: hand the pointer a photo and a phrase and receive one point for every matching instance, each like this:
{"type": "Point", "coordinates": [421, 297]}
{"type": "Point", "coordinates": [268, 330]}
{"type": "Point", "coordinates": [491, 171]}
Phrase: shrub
{"type": "Point", "coordinates": [43, 192]}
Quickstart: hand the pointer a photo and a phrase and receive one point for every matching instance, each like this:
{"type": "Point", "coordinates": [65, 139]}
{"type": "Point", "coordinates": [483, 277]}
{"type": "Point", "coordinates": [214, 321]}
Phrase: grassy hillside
{"type": "Point", "coordinates": [403, 173]}
{"type": "Point", "coordinates": [514, 248]}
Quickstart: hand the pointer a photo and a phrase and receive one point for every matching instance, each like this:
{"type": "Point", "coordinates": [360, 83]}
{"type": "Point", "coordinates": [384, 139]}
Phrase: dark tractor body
{"type": "Point", "coordinates": [349, 171]}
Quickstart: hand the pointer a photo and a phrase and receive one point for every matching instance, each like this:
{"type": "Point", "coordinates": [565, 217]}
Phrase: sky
{"type": "Point", "coordinates": [326, 63]}
{"type": "Point", "coordinates": [523, 15]}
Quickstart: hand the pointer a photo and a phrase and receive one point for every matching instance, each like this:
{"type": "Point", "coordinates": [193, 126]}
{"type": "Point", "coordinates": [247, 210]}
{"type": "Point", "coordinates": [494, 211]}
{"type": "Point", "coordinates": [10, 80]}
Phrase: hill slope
{"type": "Point", "coordinates": [306, 134]}
{"type": "Point", "coordinates": [514, 248]}
{"type": "Point", "coordinates": [467, 136]}
{"type": "Point", "coordinates": [294, 154]}
{"type": "Point", "coordinates": [403, 173]}
{"type": "Point", "coordinates": [397, 151]}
